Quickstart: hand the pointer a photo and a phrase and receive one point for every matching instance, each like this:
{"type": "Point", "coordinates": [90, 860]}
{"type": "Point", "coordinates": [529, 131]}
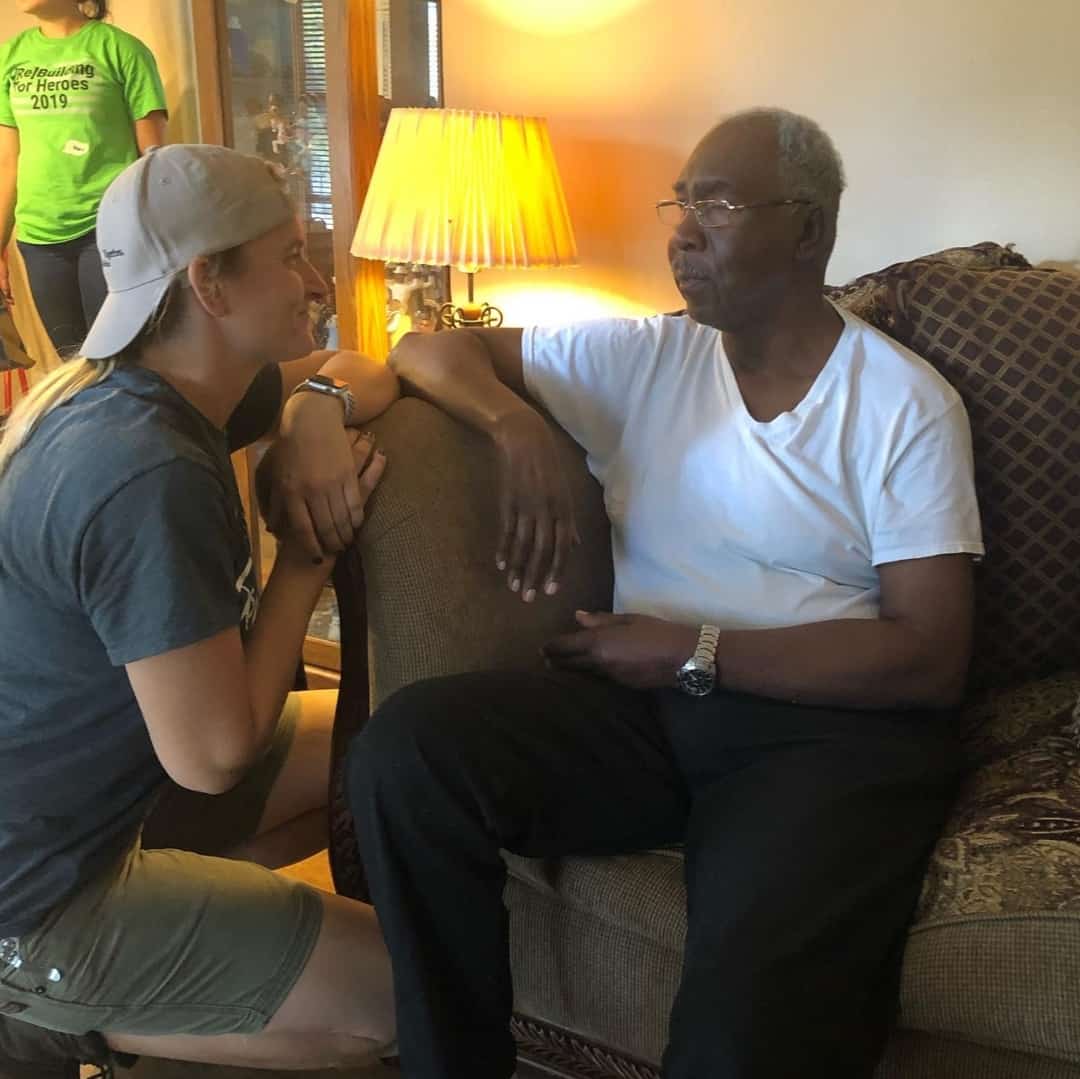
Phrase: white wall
{"type": "Point", "coordinates": [165, 26]}
{"type": "Point", "coordinates": [958, 120]}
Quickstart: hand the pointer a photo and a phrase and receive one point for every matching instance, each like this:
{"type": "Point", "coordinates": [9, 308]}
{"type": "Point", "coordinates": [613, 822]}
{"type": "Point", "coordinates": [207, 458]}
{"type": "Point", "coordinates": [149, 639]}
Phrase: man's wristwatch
{"type": "Point", "coordinates": [332, 387]}
{"type": "Point", "coordinates": [697, 676]}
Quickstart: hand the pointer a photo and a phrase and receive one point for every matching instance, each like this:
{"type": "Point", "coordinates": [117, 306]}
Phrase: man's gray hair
{"type": "Point", "coordinates": [810, 167]}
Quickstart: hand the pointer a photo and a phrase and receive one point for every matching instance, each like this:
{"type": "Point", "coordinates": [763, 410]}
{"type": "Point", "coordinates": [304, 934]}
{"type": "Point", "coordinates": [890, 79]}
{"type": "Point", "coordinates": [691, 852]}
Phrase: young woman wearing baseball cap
{"type": "Point", "coordinates": [143, 686]}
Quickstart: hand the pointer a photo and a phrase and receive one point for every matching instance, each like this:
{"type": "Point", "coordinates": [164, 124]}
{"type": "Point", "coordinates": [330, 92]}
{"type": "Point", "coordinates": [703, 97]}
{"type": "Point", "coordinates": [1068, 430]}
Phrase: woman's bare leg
{"type": "Point", "coordinates": [294, 824]}
{"type": "Point", "coordinates": [340, 1012]}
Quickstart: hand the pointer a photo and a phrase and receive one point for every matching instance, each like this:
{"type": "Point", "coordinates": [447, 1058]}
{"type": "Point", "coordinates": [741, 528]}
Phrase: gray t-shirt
{"type": "Point", "coordinates": [122, 536]}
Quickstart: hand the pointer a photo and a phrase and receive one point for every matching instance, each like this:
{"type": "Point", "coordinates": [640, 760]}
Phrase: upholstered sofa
{"type": "Point", "coordinates": [991, 984]}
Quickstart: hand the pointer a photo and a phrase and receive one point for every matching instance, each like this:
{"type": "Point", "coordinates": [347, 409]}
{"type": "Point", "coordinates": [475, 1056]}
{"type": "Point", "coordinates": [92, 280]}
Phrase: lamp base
{"type": "Point", "coordinates": [459, 316]}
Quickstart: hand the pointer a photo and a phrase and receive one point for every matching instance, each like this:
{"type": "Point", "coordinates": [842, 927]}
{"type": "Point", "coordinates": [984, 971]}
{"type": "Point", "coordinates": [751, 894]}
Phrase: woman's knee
{"type": "Point", "coordinates": [300, 785]}
{"type": "Point", "coordinates": [346, 988]}
{"type": "Point", "coordinates": [348, 1051]}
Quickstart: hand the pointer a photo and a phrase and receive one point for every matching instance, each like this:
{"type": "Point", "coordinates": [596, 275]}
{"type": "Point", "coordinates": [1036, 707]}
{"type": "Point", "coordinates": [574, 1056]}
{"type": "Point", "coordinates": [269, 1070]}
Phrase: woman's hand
{"type": "Point", "coordinates": [536, 514]}
{"type": "Point", "coordinates": [314, 482]}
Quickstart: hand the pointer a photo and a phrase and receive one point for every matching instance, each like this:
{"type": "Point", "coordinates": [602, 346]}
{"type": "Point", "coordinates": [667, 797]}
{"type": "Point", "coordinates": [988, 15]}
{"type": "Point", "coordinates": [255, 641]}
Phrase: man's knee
{"type": "Point", "coordinates": [410, 729]}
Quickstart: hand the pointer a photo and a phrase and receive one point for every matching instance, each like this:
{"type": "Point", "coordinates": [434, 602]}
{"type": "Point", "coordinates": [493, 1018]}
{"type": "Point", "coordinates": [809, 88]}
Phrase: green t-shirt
{"type": "Point", "coordinates": [74, 101]}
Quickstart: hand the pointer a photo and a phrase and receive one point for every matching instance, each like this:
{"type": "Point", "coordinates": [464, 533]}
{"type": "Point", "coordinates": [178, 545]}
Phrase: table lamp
{"type": "Point", "coordinates": [471, 190]}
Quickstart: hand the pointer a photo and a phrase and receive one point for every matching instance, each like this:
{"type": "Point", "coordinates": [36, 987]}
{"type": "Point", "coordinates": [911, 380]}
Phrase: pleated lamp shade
{"type": "Point", "coordinates": [472, 190]}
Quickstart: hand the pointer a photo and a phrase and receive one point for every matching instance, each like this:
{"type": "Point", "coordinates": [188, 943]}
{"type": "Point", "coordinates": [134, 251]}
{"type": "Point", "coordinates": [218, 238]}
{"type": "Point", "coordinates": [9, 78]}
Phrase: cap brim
{"type": "Point", "coordinates": [121, 319]}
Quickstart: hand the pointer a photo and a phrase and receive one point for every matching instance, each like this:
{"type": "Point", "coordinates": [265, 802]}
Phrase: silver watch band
{"type": "Point", "coordinates": [342, 393]}
{"type": "Point", "coordinates": [698, 675]}
{"type": "Point", "coordinates": [708, 639]}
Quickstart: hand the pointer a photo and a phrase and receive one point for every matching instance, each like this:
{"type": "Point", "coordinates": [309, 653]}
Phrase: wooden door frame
{"type": "Point", "coordinates": [340, 120]}
{"type": "Point", "coordinates": [210, 38]}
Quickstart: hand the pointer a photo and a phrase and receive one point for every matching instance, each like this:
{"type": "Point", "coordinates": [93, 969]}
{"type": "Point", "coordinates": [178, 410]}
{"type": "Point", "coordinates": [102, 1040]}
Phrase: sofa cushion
{"type": "Point", "coordinates": [1012, 845]}
{"type": "Point", "coordinates": [596, 945]}
{"type": "Point", "coordinates": [914, 1055]}
{"type": "Point", "coordinates": [1009, 341]}
{"type": "Point", "coordinates": [994, 954]}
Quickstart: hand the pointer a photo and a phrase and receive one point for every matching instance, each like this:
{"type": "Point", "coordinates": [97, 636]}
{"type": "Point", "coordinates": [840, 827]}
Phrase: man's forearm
{"type": "Point", "coordinates": [454, 371]}
{"type": "Point", "coordinates": [857, 663]}
{"type": "Point", "coordinates": [884, 663]}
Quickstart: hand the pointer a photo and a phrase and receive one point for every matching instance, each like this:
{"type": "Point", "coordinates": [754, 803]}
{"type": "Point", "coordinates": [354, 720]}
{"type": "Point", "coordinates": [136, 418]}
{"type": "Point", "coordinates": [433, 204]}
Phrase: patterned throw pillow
{"type": "Point", "coordinates": [872, 296]}
{"type": "Point", "coordinates": [1009, 341]}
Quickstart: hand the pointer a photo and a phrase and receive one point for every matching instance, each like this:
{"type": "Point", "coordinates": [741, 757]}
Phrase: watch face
{"type": "Point", "coordinates": [322, 380]}
{"type": "Point", "coordinates": [695, 681]}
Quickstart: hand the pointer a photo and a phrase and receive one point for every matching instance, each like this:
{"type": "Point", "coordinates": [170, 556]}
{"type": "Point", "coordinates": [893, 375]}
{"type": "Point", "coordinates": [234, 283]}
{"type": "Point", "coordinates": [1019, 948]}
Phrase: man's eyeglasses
{"type": "Point", "coordinates": [713, 213]}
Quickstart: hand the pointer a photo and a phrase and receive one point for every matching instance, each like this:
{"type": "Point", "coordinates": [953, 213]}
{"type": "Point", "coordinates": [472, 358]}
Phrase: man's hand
{"type": "Point", "coordinates": [536, 514]}
{"type": "Point", "coordinates": [314, 482]}
{"type": "Point", "coordinates": [639, 651]}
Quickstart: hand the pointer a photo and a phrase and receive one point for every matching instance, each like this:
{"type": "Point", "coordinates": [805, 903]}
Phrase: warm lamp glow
{"type": "Point", "coordinates": [557, 16]}
{"type": "Point", "coordinates": [558, 305]}
{"type": "Point", "coordinates": [472, 190]}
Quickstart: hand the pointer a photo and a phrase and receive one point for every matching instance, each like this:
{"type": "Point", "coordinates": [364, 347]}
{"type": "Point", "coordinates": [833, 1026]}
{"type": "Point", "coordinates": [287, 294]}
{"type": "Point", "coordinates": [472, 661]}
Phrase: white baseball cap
{"type": "Point", "coordinates": [173, 205]}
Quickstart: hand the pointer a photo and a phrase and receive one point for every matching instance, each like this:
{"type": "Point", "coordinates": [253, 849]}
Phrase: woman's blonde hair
{"type": "Point", "coordinates": [78, 374]}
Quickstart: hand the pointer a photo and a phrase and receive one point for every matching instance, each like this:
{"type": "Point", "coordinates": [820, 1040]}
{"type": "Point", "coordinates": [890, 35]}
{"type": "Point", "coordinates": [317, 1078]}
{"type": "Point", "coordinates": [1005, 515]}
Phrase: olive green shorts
{"type": "Point", "coordinates": [167, 941]}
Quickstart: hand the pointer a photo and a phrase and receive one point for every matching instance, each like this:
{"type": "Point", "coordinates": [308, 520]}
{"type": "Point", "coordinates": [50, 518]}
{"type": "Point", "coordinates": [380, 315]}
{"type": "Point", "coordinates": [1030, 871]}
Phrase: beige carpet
{"type": "Point", "coordinates": [315, 871]}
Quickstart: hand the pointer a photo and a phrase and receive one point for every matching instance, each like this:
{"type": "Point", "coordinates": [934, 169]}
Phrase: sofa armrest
{"type": "Point", "coordinates": [1012, 843]}
{"type": "Point", "coordinates": [419, 594]}
{"type": "Point", "coordinates": [435, 602]}
{"type": "Point", "coordinates": [993, 957]}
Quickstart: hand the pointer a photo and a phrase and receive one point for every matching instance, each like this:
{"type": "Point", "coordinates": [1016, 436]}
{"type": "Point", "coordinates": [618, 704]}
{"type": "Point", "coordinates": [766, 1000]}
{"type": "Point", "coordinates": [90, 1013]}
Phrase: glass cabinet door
{"type": "Point", "coordinates": [277, 102]}
{"type": "Point", "coordinates": [275, 90]}
{"type": "Point", "coordinates": [410, 76]}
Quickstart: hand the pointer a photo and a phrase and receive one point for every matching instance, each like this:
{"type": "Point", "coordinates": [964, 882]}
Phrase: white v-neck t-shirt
{"type": "Point", "coordinates": [718, 517]}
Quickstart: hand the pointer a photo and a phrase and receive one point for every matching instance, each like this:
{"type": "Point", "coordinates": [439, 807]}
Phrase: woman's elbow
{"type": "Point", "coordinates": [379, 391]}
{"type": "Point", "coordinates": [211, 772]}
{"type": "Point", "coordinates": [388, 388]}
{"type": "Point", "coordinates": [206, 780]}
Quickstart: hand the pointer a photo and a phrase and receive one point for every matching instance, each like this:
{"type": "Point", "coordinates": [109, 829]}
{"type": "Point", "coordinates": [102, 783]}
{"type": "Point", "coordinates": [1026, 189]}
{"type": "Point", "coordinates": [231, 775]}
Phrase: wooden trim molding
{"type": "Point", "coordinates": [320, 678]}
{"type": "Point", "coordinates": [353, 120]}
{"type": "Point", "coordinates": [545, 1050]}
{"type": "Point", "coordinates": [320, 653]}
{"type": "Point", "coordinates": [207, 24]}
{"type": "Point", "coordinates": [340, 127]}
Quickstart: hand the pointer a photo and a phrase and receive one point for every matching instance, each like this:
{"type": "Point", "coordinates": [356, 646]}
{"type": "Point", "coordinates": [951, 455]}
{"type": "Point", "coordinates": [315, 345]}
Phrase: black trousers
{"type": "Point", "coordinates": [806, 833]}
{"type": "Point", "coordinates": [68, 286]}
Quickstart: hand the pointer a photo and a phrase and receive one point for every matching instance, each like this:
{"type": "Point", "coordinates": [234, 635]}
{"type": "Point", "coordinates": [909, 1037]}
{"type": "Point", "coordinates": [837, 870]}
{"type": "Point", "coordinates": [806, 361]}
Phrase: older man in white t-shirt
{"type": "Point", "coordinates": [793, 523]}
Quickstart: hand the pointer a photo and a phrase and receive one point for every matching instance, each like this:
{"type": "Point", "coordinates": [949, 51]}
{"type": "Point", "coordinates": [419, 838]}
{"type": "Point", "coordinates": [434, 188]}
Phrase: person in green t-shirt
{"type": "Point", "coordinates": [80, 100]}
